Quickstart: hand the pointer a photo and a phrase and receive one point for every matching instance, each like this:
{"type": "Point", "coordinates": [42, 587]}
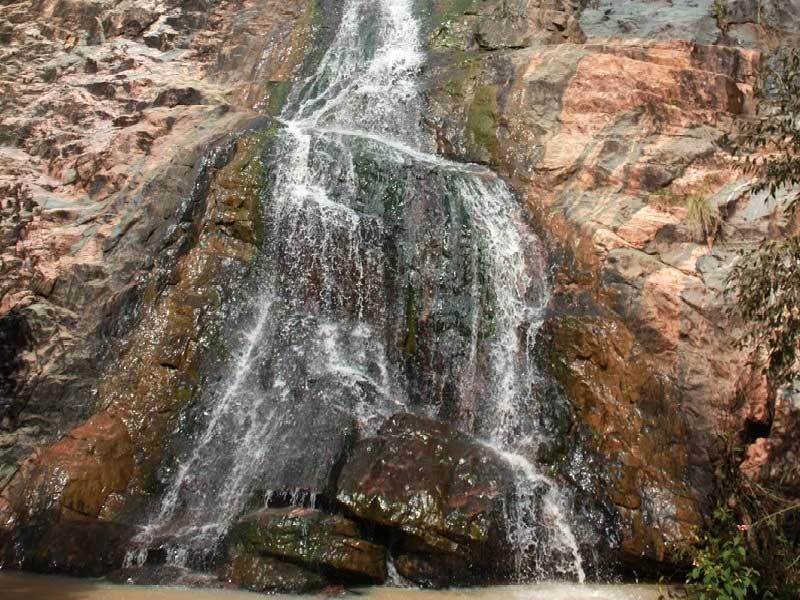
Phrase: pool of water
{"type": "Point", "coordinates": [17, 586]}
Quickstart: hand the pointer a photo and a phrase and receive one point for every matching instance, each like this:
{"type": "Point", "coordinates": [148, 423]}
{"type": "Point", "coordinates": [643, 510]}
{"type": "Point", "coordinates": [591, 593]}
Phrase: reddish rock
{"type": "Point", "coordinates": [111, 146]}
{"type": "Point", "coordinates": [605, 135]}
{"type": "Point", "coordinates": [107, 112]}
{"type": "Point", "coordinates": [606, 116]}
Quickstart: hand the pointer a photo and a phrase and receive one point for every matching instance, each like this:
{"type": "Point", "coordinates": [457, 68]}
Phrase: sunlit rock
{"type": "Point", "coordinates": [322, 543]}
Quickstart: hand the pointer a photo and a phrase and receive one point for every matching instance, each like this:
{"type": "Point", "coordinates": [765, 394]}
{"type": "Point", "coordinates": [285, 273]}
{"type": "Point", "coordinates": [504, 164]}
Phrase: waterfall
{"type": "Point", "coordinates": [363, 225]}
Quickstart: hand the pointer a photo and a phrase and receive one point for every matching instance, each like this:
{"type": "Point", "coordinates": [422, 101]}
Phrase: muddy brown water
{"type": "Point", "coordinates": [16, 586]}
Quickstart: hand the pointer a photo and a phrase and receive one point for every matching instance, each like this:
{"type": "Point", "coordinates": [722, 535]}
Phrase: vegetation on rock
{"type": "Point", "coordinates": [768, 290]}
{"type": "Point", "coordinates": [702, 217]}
{"type": "Point", "coordinates": [767, 280]}
{"type": "Point", "coordinates": [752, 547]}
{"type": "Point", "coordinates": [770, 143]}
{"type": "Point", "coordinates": [720, 568]}
{"type": "Point", "coordinates": [720, 11]}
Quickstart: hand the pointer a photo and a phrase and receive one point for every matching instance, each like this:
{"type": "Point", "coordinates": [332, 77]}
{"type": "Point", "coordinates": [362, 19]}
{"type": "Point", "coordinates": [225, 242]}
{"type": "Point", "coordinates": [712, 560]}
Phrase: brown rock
{"type": "Point", "coordinates": [104, 172]}
{"type": "Point", "coordinates": [605, 139]}
{"type": "Point", "coordinates": [83, 548]}
{"type": "Point", "coordinates": [328, 543]}
{"type": "Point", "coordinates": [445, 491]}
{"type": "Point", "coordinates": [652, 474]}
{"type": "Point", "coordinates": [265, 574]}
{"type": "Point", "coordinates": [104, 137]}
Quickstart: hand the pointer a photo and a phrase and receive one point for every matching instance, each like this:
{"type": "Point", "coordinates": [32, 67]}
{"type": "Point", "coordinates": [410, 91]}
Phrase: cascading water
{"type": "Point", "coordinates": [364, 230]}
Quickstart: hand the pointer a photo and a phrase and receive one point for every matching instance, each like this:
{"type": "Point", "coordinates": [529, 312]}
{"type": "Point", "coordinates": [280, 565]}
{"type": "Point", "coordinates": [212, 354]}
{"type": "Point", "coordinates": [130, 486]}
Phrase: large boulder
{"type": "Point", "coordinates": [444, 491]}
{"type": "Point", "coordinates": [266, 574]}
{"type": "Point", "coordinates": [319, 542]}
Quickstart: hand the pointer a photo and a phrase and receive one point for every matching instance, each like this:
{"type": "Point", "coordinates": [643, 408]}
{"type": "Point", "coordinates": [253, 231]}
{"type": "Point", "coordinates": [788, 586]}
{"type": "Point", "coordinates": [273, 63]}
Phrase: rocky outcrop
{"type": "Point", "coordinates": [317, 541]}
{"type": "Point", "coordinates": [100, 469]}
{"type": "Point", "coordinates": [130, 207]}
{"type": "Point", "coordinates": [434, 498]}
{"type": "Point", "coordinates": [444, 491]}
{"type": "Point", "coordinates": [264, 574]}
{"type": "Point", "coordinates": [106, 114]}
{"type": "Point", "coordinates": [607, 132]}
{"type": "Point", "coordinates": [129, 218]}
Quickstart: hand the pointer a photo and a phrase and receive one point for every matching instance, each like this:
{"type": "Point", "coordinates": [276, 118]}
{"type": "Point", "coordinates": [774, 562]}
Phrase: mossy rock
{"type": "Point", "coordinates": [441, 491]}
{"type": "Point", "coordinates": [320, 542]}
{"type": "Point", "coordinates": [482, 120]}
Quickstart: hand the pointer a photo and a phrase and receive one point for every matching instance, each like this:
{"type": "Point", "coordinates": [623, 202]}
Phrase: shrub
{"type": "Point", "coordinates": [767, 284]}
{"type": "Point", "coordinates": [770, 143]}
{"type": "Point", "coordinates": [720, 12]}
{"type": "Point", "coordinates": [765, 544]}
{"type": "Point", "coordinates": [720, 568]}
{"type": "Point", "coordinates": [702, 218]}
{"type": "Point", "coordinates": [767, 281]}
{"type": "Point", "coordinates": [751, 548]}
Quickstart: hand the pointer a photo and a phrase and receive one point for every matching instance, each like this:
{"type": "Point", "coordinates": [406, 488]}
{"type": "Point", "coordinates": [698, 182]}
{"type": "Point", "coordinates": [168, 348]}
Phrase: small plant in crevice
{"type": "Point", "coordinates": [702, 218]}
{"type": "Point", "coordinates": [720, 11]}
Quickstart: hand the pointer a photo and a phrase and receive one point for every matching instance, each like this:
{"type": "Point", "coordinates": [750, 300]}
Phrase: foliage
{"type": "Point", "coordinates": [720, 12]}
{"type": "Point", "coordinates": [720, 568]}
{"type": "Point", "coordinates": [702, 217]}
{"type": "Point", "coordinates": [770, 143]}
{"type": "Point", "coordinates": [767, 280]}
{"type": "Point", "coordinates": [770, 518]}
{"type": "Point", "coordinates": [752, 547]}
{"type": "Point", "coordinates": [768, 291]}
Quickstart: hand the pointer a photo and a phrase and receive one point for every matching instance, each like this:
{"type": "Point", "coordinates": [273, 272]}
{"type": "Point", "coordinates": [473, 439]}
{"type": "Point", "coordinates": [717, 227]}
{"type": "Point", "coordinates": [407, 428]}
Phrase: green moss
{"type": "Point", "coordinates": [443, 11]}
{"type": "Point", "coordinates": [276, 94]}
{"type": "Point", "coordinates": [482, 118]}
{"type": "Point", "coordinates": [314, 539]}
{"type": "Point", "coordinates": [462, 74]}
{"type": "Point", "coordinates": [243, 179]}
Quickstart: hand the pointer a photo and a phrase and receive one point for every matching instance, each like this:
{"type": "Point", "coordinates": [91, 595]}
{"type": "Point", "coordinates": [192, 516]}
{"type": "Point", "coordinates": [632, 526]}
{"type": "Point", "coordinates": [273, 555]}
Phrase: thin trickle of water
{"type": "Point", "coordinates": [363, 223]}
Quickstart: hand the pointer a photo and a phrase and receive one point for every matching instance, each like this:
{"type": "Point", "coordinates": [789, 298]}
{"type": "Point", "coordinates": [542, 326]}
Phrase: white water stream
{"type": "Point", "coordinates": [323, 316]}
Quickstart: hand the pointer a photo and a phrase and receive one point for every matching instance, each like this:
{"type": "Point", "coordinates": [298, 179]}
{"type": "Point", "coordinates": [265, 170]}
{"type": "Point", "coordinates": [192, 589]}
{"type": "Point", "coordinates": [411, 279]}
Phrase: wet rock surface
{"type": "Point", "coordinates": [264, 574]}
{"type": "Point", "coordinates": [127, 217]}
{"type": "Point", "coordinates": [107, 111]}
{"type": "Point", "coordinates": [605, 132]}
{"type": "Point", "coordinates": [445, 491]}
{"type": "Point", "coordinates": [101, 469]}
{"type": "Point", "coordinates": [317, 541]}
{"type": "Point", "coordinates": [129, 204]}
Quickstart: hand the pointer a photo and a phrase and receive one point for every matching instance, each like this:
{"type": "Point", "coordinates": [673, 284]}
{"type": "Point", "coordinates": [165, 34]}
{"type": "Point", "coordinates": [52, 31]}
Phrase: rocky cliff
{"type": "Point", "coordinates": [131, 135]}
{"type": "Point", "coordinates": [108, 113]}
{"type": "Point", "coordinates": [610, 118]}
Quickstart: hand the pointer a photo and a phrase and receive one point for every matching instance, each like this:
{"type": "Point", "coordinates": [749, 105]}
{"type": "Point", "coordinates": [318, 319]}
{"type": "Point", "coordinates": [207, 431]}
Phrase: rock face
{"type": "Point", "coordinates": [264, 574]}
{"type": "Point", "coordinates": [107, 111]}
{"type": "Point", "coordinates": [608, 117]}
{"type": "Point", "coordinates": [129, 183]}
{"type": "Point", "coordinates": [443, 490]}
